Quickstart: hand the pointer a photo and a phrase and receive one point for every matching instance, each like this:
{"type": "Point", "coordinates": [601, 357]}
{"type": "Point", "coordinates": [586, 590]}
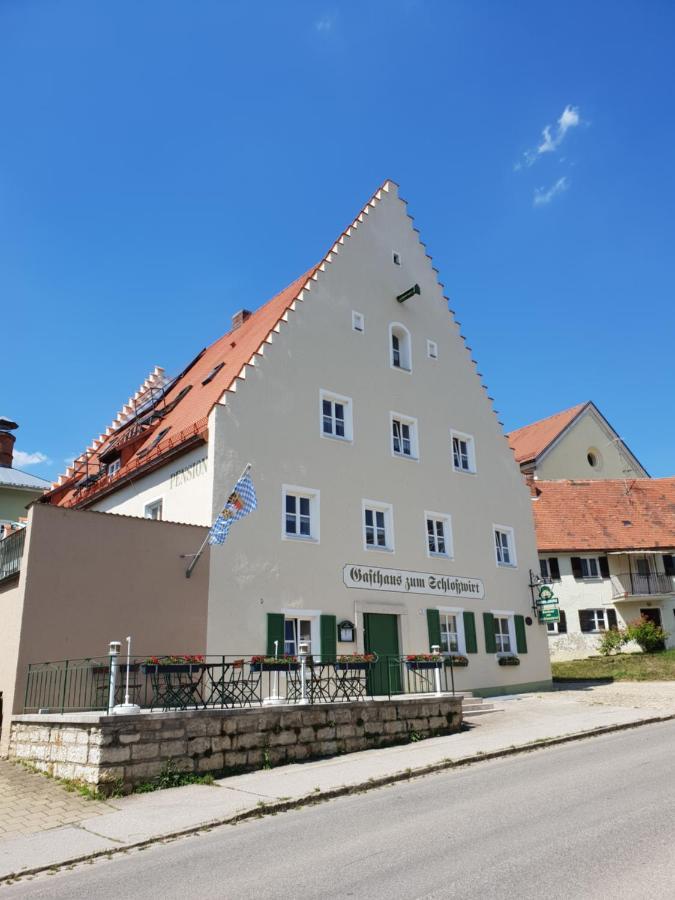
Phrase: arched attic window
{"type": "Point", "coordinates": [399, 345]}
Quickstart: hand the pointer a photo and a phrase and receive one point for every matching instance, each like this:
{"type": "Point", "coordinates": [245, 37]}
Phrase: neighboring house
{"type": "Point", "coordinates": [608, 549]}
{"type": "Point", "coordinates": [385, 500]}
{"type": "Point", "coordinates": [575, 443]}
{"type": "Point", "coordinates": [17, 489]}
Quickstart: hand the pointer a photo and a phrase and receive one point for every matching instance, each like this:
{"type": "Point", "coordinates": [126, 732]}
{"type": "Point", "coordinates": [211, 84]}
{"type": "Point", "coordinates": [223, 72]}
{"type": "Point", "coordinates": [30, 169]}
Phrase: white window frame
{"type": "Point", "coordinates": [511, 546]}
{"type": "Point", "coordinates": [510, 616]}
{"type": "Point", "coordinates": [314, 616]}
{"type": "Point", "coordinates": [332, 397]}
{"type": "Point", "coordinates": [358, 319]}
{"type": "Point", "coordinates": [470, 452]}
{"type": "Point", "coordinates": [414, 436]}
{"type": "Point", "coordinates": [446, 519]}
{"type": "Point", "coordinates": [432, 349]}
{"type": "Point", "coordinates": [388, 510]}
{"type": "Point", "coordinates": [405, 353]}
{"type": "Point", "coordinates": [458, 613]}
{"type": "Point", "coordinates": [586, 561]}
{"type": "Point", "coordinates": [314, 497]}
{"type": "Point", "coordinates": [154, 504]}
{"type": "Point", "coordinates": [113, 467]}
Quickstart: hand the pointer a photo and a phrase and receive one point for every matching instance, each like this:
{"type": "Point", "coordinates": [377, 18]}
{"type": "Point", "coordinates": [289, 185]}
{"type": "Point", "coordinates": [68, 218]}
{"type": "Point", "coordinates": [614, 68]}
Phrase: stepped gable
{"type": "Point", "coordinates": [530, 441]}
{"type": "Point", "coordinates": [610, 514]}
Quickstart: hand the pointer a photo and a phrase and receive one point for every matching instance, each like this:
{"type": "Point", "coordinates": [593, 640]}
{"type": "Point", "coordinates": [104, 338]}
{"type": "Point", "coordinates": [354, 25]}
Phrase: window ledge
{"type": "Point", "coordinates": [501, 565]}
{"type": "Point", "coordinates": [337, 438]}
{"type": "Point", "coordinates": [464, 471]}
{"type": "Point", "coordinates": [300, 538]}
{"type": "Point", "coordinates": [379, 549]}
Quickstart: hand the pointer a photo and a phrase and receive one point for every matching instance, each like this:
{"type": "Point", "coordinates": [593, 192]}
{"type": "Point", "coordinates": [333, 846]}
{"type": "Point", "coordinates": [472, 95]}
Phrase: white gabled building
{"type": "Point", "coordinates": [388, 497]}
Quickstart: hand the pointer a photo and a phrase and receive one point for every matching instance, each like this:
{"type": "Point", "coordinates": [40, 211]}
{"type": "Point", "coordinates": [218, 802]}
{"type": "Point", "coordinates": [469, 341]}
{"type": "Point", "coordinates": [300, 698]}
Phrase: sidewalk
{"type": "Point", "coordinates": [519, 723]}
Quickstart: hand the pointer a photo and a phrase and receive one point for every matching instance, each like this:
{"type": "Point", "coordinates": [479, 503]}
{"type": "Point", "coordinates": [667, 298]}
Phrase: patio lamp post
{"type": "Point", "coordinates": [274, 699]}
{"type": "Point", "coordinates": [127, 708]}
{"type": "Point", "coordinates": [303, 649]}
{"type": "Point", "coordinates": [113, 651]}
{"type": "Point", "coordinates": [436, 650]}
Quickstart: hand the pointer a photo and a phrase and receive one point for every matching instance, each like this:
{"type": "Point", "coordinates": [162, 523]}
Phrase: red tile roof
{"type": "Point", "coordinates": [186, 422]}
{"type": "Point", "coordinates": [530, 441]}
{"type": "Point", "coordinates": [608, 515]}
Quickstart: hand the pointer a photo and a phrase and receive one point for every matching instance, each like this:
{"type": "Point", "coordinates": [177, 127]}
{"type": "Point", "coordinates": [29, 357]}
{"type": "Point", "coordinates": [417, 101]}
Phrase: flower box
{"type": "Point", "coordinates": [357, 665]}
{"type": "Point", "coordinates": [457, 662]}
{"type": "Point", "coordinates": [358, 661]}
{"type": "Point", "coordinates": [509, 661]}
{"type": "Point", "coordinates": [272, 664]}
{"type": "Point", "coordinates": [415, 664]}
{"type": "Point", "coordinates": [168, 668]}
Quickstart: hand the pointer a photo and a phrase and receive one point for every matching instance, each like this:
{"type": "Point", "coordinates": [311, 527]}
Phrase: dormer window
{"type": "Point", "coordinates": [212, 374]}
{"type": "Point", "coordinates": [114, 467]}
{"type": "Point", "coordinates": [399, 338]}
{"type": "Point", "coordinates": [157, 438]}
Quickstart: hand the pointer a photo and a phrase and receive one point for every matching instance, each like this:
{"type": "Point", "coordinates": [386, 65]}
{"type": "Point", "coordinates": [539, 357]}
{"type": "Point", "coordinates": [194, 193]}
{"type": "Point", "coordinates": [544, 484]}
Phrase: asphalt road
{"type": "Point", "coordinates": [592, 819]}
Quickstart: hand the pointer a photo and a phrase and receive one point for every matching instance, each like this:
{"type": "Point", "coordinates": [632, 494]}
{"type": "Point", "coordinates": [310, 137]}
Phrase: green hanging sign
{"type": "Point", "coordinates": [549, 615]}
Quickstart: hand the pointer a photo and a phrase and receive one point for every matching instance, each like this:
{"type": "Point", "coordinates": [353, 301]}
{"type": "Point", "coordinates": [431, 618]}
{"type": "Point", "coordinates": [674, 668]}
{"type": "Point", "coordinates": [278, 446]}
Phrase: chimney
{"type": "Point", "coordinates": [240, 317]}
{"type": "Point", "coordinates": [6, 449]}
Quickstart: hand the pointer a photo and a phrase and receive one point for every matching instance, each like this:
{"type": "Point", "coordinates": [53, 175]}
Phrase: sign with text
{"type": "Point", "coordinates": [372, 578]}
{"type": "Point", "coordinates": [549, 615]}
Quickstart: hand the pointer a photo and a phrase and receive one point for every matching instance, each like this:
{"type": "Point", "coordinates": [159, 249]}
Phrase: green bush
{"type": "Point", "coordinates": [650, 637]}
{"type": "Point", "coordinates": [612, 641]}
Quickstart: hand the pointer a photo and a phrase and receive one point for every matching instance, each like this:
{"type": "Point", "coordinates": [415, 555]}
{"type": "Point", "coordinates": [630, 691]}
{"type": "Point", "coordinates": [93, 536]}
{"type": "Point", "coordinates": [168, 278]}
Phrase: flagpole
{"type": "Point", "coordinates": [195, 558]}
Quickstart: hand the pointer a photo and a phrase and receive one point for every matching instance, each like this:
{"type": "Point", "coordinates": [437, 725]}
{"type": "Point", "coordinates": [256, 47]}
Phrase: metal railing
{"type": "Point", "coordinates": [227, 682]}
{"type": "Point", "coordinates": [631, 584]}
{"type": "Point", "coordinates": [11, 553]}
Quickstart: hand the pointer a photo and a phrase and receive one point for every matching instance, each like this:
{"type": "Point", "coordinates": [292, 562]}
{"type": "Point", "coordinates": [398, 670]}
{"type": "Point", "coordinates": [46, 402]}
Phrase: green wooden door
{"type": "Point", "coordinates": [380, 634]}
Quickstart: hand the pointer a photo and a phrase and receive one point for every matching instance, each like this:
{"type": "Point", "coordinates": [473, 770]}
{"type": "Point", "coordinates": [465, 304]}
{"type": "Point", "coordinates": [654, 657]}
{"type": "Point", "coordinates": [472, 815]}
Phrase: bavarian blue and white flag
{"type": "Point", "coordinates": [240, 503]}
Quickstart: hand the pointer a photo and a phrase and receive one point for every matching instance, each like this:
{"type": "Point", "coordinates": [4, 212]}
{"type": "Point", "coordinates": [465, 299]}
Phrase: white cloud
{"type": "Point", "coordinates": [552, 136]}
{"type": "Point", "coordinates": [30, 459]}
{"type": "Point", "coordinates": [542, 196]}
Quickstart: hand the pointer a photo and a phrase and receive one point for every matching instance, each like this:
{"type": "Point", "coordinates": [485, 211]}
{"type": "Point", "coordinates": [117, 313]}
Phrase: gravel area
{"type": "Point", "coordinates": [658, 695]}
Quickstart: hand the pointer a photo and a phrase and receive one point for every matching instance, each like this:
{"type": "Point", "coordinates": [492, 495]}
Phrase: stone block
{"type": "Point", "coordinates": [327, 748]}
{"type": "Point", "coordinates": [314, 716]}
{"type": "Point", "coordinates": [198, 745]}
{"type": "Point", "coordinates": [255, 759]}
{"type": "Point", "coordinates": [346, 731]}
{"type": "Point", "coordinates": [437, 722]}
{"type": "Point", "coordinates": [210, 763]}
{"type": "Point", "coordinates": [306, 735]}
{"type": "Point", "coordinates": [277, 755]}
{"type": "Point", "coordinates": [171, 748]}
{"type": "Point", "coordinates": [246, 724]}
{"type": "Point", "coordinates": [195, 728]}
{"type": "Point", "coordinates": [249, 741]}
{"type": "Point", "coordinates": [283, 739]}
{"type": "Point", "coordinates": [356, 743]}
{"type": "Point", "coordinates": [231, 725]}
{"type": "Point", "coordinates": [131, 738]}
{"type": "Point", "coordinates": [344, 716]}
{"type": "Point", "coordinates": [221, 742]}
{"type": "Point", "coordinates": [299, 752]}
{"type": "Point", "coordinates": [144, 751]}
{"type": "Point", "coordinates": [372, 729]}
{"type": "Point", "coordinates": [171, 734]}
{"type": "Point", "coordinates": [110, 773]}
{"type": "Point", "coordinates": [394, 727]}
{"type": "Point", "coordinates": [387, 712]}
{"type": "Point", "coordinates": [326, 733]}
{"type": "Point", "coordinates": [143, 771]}
{"type": "Point", "coordinates": [291, 719]}
{"type": "Point", "coordinates": [235, 758]}
{"type": "Point", "coordinates": [115, 754]}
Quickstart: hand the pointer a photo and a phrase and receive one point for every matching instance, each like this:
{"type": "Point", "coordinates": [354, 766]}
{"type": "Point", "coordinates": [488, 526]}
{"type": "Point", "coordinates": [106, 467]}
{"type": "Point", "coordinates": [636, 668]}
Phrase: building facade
{"type": "Point", "coordinates": [391, 514]}
{"type": "Point", "coordinates": [17, 489]}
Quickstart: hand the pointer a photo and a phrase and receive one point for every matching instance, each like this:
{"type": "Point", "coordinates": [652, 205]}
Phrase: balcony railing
{"type": "Point", "coordinates": [631, 584]}
{"type": "Point", "coordinates": [11, 552]}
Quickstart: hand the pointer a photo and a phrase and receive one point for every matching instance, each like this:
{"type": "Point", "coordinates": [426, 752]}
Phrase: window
{"type": "Point", "coordinates": [336, 416]}
{"type": "Point", "coordinates": [358, 322]}
{"type": "Point", "coordinates": [153, 510]}
{"type": "Point", "coordinates": [549, 569]}
{"type": "Point", "coordinates": [558, 627]}
{"type": "Point", "coordinates": [297, 631]}
{"type": "Point", "coordinates": [590, 568]}
{"type": "Point", "coordinates": [452, 632]}
{"type": "Point", "coordinates": [503, 639]}
{"type": "Point", "coordinates": [396, 258]}
{"type": "Point", "coordinates": [463, 453]}
{"type": "Point", "coordinates": [505, 549]}
{"type": "Point", "coordinates": [114, 467]}
{"type": "Point", "coordinates": [378, 530]}
{"type": "Point", "coordinates": [399, 338]}
{"type": "Point", "coordinates": [432, 349]}
{"type": "Point", "coordinates": [594, 620]}
{"type": "Point", "coordinates": [404, 436]}
{"type": "Point", "coordinates": [438, 534]}
{"type": "Point", "coordinates": [300, 513]}
{"type": "Point", "coordinates": [594, 458]}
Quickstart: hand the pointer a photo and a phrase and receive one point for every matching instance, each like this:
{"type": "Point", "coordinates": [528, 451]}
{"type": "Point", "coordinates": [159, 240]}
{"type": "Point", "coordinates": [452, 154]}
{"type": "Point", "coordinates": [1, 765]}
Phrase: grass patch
{"type": "Point", "coordinates": [622, 667]}
{"type": "Point", "coordinates": [169, 777]}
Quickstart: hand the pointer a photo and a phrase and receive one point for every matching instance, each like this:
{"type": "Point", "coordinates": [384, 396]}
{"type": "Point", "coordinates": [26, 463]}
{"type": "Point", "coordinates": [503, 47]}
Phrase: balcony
{"type": "Point", "coordinates": [630, 584]}
{"type": "Point", "coordinates": [11, 552]}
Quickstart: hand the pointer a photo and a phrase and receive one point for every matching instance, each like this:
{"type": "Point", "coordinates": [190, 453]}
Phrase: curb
{"type": "Point", "coordinates": [314, 799]}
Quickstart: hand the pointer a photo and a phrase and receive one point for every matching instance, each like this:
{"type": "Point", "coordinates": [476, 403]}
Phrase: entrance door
{"type": "Point", "coordinates": [654, 615]}
{"type": "Point", "coordinates": [380, 635]}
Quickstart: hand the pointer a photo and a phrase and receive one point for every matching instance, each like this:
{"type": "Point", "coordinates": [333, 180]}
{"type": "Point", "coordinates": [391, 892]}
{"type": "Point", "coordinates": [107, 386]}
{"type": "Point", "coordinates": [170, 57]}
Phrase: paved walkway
{"type": "Point", "coordinates": [96, 827]}
{"type": "Point", "coordinates": [29, 802]}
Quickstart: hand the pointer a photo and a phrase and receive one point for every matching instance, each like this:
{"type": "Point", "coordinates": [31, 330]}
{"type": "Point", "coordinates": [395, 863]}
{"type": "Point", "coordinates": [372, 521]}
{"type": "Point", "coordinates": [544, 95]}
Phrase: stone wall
{"type": "Point", "coordinates": [122, 751]}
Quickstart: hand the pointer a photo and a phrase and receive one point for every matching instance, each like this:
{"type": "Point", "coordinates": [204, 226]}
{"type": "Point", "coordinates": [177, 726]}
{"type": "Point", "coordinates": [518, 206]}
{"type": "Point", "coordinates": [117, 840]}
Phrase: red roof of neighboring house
{"type": "Point", "coordinates": [183, 424]}
{"type": "Point", "coordinates": [610, 514]}
{"type": "Point", "coordinates": [530, 441]}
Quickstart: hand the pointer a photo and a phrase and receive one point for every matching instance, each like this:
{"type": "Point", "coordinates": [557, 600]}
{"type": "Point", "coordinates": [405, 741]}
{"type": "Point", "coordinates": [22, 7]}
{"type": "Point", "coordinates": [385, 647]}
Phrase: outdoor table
{"type": "Point", "coordinates": [174, 685]}
{"type": "Point", "coordinates": [230, 686]}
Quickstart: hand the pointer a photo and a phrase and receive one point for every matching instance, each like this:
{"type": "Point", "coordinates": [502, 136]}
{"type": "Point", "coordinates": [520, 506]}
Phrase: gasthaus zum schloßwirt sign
{"type": "Point", "coordinates": [373, 578]}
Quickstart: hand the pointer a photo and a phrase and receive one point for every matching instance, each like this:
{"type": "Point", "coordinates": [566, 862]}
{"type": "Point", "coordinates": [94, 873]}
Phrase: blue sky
{"type": "Point", "coordinates": [163, 164]}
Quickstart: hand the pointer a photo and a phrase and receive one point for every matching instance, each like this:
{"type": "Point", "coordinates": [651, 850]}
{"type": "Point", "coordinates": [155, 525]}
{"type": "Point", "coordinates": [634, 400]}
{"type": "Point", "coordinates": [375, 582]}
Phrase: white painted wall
{"type": "Point", "coordinates": [273, 421]}
{"type": "Point", "coordinates": [184, 485]}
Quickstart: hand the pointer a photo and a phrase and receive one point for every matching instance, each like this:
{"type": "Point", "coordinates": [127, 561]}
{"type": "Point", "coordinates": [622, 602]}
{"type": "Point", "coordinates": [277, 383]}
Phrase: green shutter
{"type": "Point", "coordinates": [489, 628]}
{"type": "Point", "coordinates": [470, 633]}
{"type": "Point", "coordinates": [434, 626]}
{"type": "Point", "coordinates": [328, 636]}
{"type": "Point", "coordinates": [521, 640]}
{"type": "Point", "coordinates": [275, 632]}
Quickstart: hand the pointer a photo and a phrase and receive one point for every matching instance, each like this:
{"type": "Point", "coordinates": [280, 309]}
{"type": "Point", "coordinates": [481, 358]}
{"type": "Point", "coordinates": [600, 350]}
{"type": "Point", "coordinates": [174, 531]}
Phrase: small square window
{"type": "Point", "coordinates": [300, 513]}
{"type": "Point", "coordinates": [505, 549]}
{"type": "Point", "coordinates": [590, 567]}
{"type": "Point", "coordinates": [397, 258]}
{"type": "Point", "coordinates": [114, 467]}
{"type": "Point", "coordinates": [358, 322]}
{"type": "Point", "coordinates": [438, 535]}
{"type": "Point", "coordinates": [336, 416]}
{"type": "Point", "coordinates": [503, 639]}
{"type": "Point", "coordinates": [153, 510]}
{"type": "Point", "coordinates": [432, 349]}
{"type": "Point", "coordinates": [463, 452]}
